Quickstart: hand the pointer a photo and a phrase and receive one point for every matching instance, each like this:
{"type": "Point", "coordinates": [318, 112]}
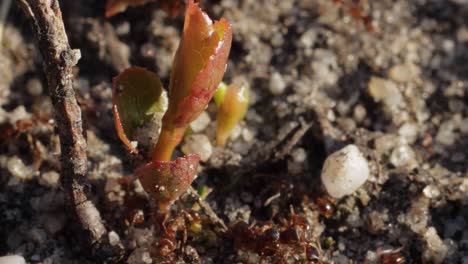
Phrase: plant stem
{"type": "Point", "coordinates": [167, 142]}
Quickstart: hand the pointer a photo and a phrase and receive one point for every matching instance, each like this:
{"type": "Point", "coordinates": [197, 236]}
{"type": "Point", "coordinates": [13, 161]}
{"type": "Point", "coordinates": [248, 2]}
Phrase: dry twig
{"type": "Point", "coordinates": [59, 59]}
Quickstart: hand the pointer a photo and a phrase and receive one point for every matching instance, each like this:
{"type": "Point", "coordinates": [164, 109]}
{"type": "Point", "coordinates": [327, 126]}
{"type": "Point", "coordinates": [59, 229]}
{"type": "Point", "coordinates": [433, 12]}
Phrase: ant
{"type": "Point", "coordinates": [291, 238]}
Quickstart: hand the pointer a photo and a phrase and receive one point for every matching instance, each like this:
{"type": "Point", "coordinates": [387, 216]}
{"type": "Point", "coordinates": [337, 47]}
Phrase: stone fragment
{"type": "Point", "coordinates": [345, 171]}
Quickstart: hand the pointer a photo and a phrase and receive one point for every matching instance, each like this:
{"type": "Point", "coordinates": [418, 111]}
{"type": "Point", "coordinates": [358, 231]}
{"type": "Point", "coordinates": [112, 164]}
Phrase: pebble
{"type": "Point", "coordinates": [114, 238]}
{"type": "Point", "coordinates": [18, 170]}
{"type": "Point", "coordinates": [404, 72]}
{"type": "Point", "coordinates": [446, 134]}
{"type": "Point", "coordinates": [50, 179]}
{"type": "Point", "coordinates": [236, 132]}
{"type": "Point", "coordinates": [409, 131]}
{"type": "Point", "coordinates": [464, 126]}
{"type": "Point", "coordinates": [34, 87]}
{"type": "Point", "coordinates": [344, 171]}
{"type": "Point", "coordinates": [140, 256]}
{"type": "Point", "coordinates": [385, 91]}
{"type": "Point", "coordinates": [385, 143]}
{"type": "Point", "coordinates": [431, 191]}
{"type": "Point", "coordinates": [277, 84]}
{"type": "Point", "coordinates": [19, 113]}
{"type": "Point", "coordinates": [403, 156]}
{"type": "Point", "coordinates": [247, 135]}
{"type": "Point", "coordinates": [199, 124]}
{"type": "Point", "coordinates": [436, 249]}
{"type": "Point", "coordinates": [199, 144]}
{"type": "Point", "coordinates": [359, 113]}
{"type": "Point", "coordinates": [13, 259]}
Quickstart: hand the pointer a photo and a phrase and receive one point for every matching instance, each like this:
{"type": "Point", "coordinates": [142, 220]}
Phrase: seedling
{"type": "Point", "coordinates": [232, 102]}
{"type": "Point", "coordinates": [198, 68]}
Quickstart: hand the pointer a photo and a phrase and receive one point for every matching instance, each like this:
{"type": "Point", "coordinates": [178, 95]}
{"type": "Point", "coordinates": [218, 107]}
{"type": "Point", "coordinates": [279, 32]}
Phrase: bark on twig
{"type": "Point", "coordinates": [59, 59]}
{"type": "Point", "coordinates": [192, 196]}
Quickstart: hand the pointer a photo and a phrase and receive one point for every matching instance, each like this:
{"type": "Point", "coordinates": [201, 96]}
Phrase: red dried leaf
{"type": "Point", "coordinates": [199, 65]}
{"type": "Point", "coordinates": [167, 180]}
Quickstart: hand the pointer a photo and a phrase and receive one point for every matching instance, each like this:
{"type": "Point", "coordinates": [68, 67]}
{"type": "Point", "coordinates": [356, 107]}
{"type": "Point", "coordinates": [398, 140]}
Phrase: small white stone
{"type": "Point", "coordinates": [344, 171]}
{"type": "Point", "coordinates": [140, 256]}
{"type": "Point", "coordinates": [236, 132]}
{"type": "Point", "coordinates": [19, 113]}
{"type": "Point", "coordinates": [199, 144]}
{"type": "Point", "coordinates": [199, 124]}
{"type": "Point", "coordinates": [404, 72]}
{"type": "Point", "coordinates": [34, 87]}
{"type": "Point", "coordinates": [359, 113]}
{"type": "Point", "coordinates": [385, 91]}
{"type": "Point", "coordinates": [277, 84]}
{"type": "Point", "coordinates": [114, 238]}
{"type": "Point", "coordinates": [402, 156]}
{"type": "Point", "coordinates": [18, 170]}
{"type": "Point", "coordinates": [431, 191]}
{"type": "Point", "coordinates": [409, 131]}
{"type": "Point", "coordinates": [247, 135]}
{"type": "Point", "coordinates": [49, 179]}
{"type": "Point", "coordinates": [13, 259]}
{"type": "Point", "coordinates": [436, 249]}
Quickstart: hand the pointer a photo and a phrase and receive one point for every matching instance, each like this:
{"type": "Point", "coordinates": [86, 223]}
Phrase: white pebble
{"type": "Point", "coordinates": [344, 171]}
{"type": "Point", "coordinates": [409, 131]}
{"type": "Point", "coordinates": [199, 144]}
{"type": "Point", "coordinates": [404, 72]}
{"type": "Point", "coordinates": [18, 170]}
{"type": "Point", "coordinates": [140, 256]}
{"type": "Point", "coordinates": [199, 124]}
{"type": "Point", "coordinates": [431, 191]}
{"type": "Point", "coordinates": [247, 135]}
{"type": "Point", "coordinates": [49, 179]}
{"type": "Point", "coordinates": [277, 84]}
{"type": "Point", "coordinates": [13, 259]}
{"type": "Point", "coordinates": [402, 156]}
{"type": "Point", "coordinates": [114, 238]}
{"type": "Point", "coordinates": [34, 87]}
{"type": "Point", "coordinates": [385, 91]}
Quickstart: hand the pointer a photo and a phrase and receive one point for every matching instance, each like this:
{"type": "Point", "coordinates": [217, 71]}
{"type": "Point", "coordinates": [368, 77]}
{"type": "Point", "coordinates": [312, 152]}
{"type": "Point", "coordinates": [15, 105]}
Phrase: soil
{"type": "Point", "coordinates": [388, 76]}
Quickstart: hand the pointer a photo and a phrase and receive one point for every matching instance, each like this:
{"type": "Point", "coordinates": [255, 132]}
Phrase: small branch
{"type": "Point", "coordinates": [59, 60]}
{"type": "Point", "coordinates": [192, 196]}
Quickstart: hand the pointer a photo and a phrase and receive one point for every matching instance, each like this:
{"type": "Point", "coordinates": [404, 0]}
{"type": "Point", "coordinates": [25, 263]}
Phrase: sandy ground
{"type": "Point", "coordinates": [397, 90]}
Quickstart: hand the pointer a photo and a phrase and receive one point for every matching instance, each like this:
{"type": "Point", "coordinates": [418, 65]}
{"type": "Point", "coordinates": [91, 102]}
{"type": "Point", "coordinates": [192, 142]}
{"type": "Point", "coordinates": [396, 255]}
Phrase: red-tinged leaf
{"type": "Point", "coordinates": [114, 7]}
{"type": "Point", "coordinates": [165, 181]}
{"type": "Point", "coordinates": [199, 65]}
{"type": "Point", "coordinates": [172, 7]}
{"type": "Point", "coordinates": [137, 95]}
{"type": "Point", "coordinates": [231, 109]}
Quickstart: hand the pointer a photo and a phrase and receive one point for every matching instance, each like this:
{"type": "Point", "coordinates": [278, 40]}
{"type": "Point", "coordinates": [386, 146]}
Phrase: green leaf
{"type": "Point", "coordinates": [137, 96]}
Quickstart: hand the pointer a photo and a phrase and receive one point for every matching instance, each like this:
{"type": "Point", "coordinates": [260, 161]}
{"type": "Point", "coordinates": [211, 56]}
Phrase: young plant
{"type": "Point", "coordinates": [198, 68]}
{"type": "Point", "coordinates": [232, 101]}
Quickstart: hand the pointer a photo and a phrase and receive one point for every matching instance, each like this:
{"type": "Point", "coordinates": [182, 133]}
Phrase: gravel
{"type": "Point", "coordinates": [399, 93]}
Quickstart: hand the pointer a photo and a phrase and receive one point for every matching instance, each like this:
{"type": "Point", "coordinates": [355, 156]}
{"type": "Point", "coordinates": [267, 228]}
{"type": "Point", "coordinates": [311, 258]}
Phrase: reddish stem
{"type": "Point", "coordinates": [167, 142]}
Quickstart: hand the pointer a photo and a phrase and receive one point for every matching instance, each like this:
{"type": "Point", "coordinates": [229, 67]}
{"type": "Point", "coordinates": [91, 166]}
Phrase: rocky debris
{"type": "Point", "coordinates": [13, 259]}
{"type": "Point", "coordinates": [199, 144]}
{"type": "Point", "coordinates": [344, 171]}
{"type": "Point", "coordinates": [202, 121]}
